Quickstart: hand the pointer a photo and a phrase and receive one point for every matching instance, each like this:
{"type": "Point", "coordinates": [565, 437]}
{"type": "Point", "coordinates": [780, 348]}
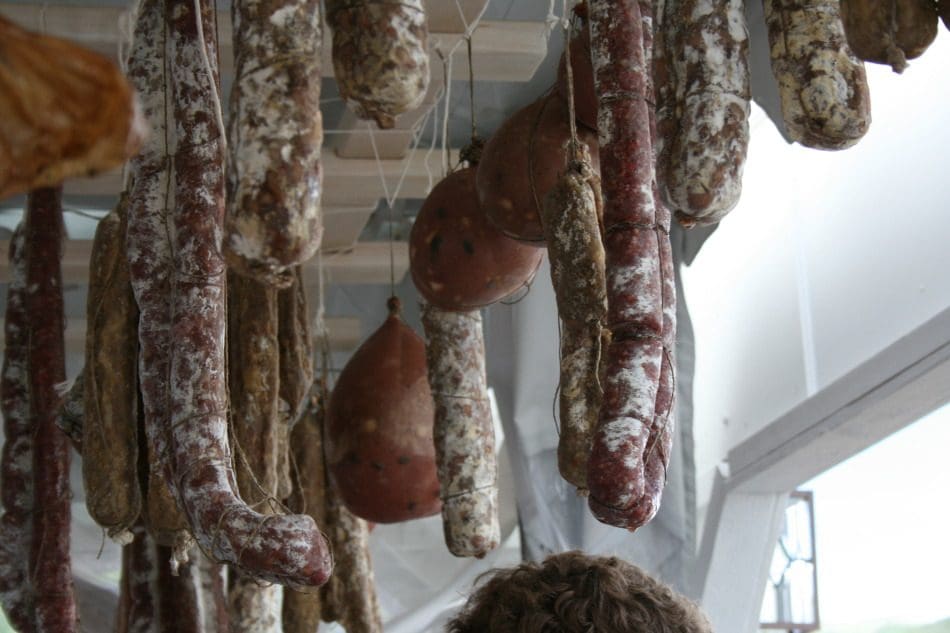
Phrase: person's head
{"type": "Point", "coordinates": [576, 593]}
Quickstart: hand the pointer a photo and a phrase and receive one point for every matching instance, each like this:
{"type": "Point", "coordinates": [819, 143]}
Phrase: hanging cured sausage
{"type": "Point", "coordinates": [380, 55]}
{"type": "Point", "coordinates": [275, 181]}
{"type": "Point", "coordinates": [379, 427]}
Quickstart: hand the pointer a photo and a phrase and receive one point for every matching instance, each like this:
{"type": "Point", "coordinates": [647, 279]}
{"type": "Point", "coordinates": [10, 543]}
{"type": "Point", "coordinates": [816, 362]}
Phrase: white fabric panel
{"type": "Point", "coordinates": [522, 341]}
{"type": "Point", "coordinates": [829, 258]}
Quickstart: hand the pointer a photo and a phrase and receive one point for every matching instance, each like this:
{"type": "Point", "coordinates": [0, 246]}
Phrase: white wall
{"type": "Point", "coordinates": [829, 258]}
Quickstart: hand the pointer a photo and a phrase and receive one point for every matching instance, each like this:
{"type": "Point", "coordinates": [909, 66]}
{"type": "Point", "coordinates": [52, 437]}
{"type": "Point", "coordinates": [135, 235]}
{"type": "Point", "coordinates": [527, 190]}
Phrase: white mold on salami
{"type": "Point", "coordinates": [703, 95]}
{"type": "Point", "coordinates": [823, 86]}
{"type": "Point", "coordinates": [289, 548]}
{"type": "Point", "coordinates": [380, 55]}
{"type": "Point", "coordinates": [464, 434]}
{"type": "Point", "coordinates": [275, 181]}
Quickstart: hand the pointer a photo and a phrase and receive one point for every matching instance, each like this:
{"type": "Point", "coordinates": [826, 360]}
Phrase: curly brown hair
{"type": "Point", "coordinates": [576, 593]}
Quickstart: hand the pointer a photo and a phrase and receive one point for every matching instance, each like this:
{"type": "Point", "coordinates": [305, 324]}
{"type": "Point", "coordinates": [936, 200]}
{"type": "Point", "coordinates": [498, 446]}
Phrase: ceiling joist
{"type": "Point", "coordinates": [501, 51]}
{"type": "Point", "coordinates": [363, 263]}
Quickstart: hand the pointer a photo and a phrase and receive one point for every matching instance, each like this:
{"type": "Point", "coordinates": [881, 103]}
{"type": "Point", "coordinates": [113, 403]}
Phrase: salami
{"type": "Point", "coordinates": [380, 55]}
{"type": "Point", "coordinates": [703, 94]}
{"type": "Point", "coordinates": [138, 584]}
{"type": "Point", "coordinates": [253, 363]}
{"type": "Point", "coordinates": [635, 227]}
{"type": "Point", "coordinates": [214, 595]}
{"type": "Point", "coordinates": [463, 431]}
{"type": "Point", "coordinates": [49, 557]}
{"type": "Point", "coordinates": [571, 217]}
{"type": "Point", "coordinates": [300, 612]}
{"type": "Point", "coordinates": [296, 371]}
{"type": "Point", "coordinates": [179, 605]}
{"type": "Point", "coordinates": [65, 111]}
{"type": "Point", "coordinates": [150, 256]}
{"type": "Point", "coordinates": [823, 86]}
{"type": "Point", "coordinates": [253, 608]}
{"type": "Point", "coordinates": [354, 592]}
{"type": "Point", "coordinates": [273, 221]}
{"type": "Point", "coordinates": [286, 549]}
{"type": "Point", "coordinates": [889, 31]}
{"type": "Point", "coordinates": [110, 420]}
{"type": "Point", "coordinates": [16, 462]}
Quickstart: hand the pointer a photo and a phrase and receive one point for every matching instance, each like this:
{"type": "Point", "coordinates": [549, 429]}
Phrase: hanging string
{"type": "Point", "coordinates": [471, 86]}
{"type": "Point", "coordinates": [575, 149]}
{"type": "Point", "coordinates": [219, 116]}
{"type": "Point", "coordinates": [446, 75]}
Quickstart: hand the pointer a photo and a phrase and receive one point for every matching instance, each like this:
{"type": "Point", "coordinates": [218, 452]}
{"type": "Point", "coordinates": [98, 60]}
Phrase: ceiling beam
{"type": "Point", "coordinates": [345, 334]}
{"type": "Point", "coordinates": [502, 51]}
{"type": "Point", "coordinates": [363, 263]}
{"type": "Point", "coordinates": [346, 181]}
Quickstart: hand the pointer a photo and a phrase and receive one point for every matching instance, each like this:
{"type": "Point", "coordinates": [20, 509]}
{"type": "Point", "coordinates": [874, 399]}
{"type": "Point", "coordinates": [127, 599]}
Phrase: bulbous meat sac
{"type": "Point", "coordinates": [522, 162]}
{"type": "Point", "coordinates": [463, 432]}
{"type": "Point", "coordinates": [458, 259]}
{"type": "Point", "coordinates": [826, 103]}
{"type": "Point", "coordinates": [889, 31]}
{"type": "Point", "coordinates": [65, 111]}
{"type": "Point", "coordinates": [380, 450]}
{"type": "Point", "coordinates": [572, 216]}
{"type": "Point", "coordinates": [275, 181]}
{"type": "Point", "coordinates": [380, 55]}
{"type": "Point", "coordinates": [703, 102]}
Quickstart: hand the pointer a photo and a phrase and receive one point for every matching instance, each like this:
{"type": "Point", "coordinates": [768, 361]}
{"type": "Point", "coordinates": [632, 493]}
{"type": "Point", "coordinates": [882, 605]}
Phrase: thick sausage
{"type": "Point", "coordinates": [110, 420]}
{"type": "Point", "coordinates": [635, 228]}
{"type": "Point", "coordinates": [463, 431]}
{"type": "Point", "coordinates": [288, 548]}
{"type": "Point", "coordinates": [571, 217]}
{"type": "Point", "coordinates": [703, 94]}
{"type": "Point", "coordinates": [823, 86]}
{"type": "Point", "coordinates": [380, 55]}
{"type": "Point", "coordinates": [273, 221]}
{"type": "Point", "coordinates": [149, 253]}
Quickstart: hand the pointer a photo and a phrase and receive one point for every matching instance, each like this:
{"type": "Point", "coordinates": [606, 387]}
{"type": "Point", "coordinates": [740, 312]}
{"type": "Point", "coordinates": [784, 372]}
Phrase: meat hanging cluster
{"type": "Point", "coordinates": [207, 443]}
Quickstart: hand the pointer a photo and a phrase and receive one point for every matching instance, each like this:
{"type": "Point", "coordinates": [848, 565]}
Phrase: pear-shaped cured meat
{"type": "Point", "coordinates": [522, 162]}
{"type": "Point", "coordinates": [380, 450]}
{"type": "Point", "coordinates": [459, 261]}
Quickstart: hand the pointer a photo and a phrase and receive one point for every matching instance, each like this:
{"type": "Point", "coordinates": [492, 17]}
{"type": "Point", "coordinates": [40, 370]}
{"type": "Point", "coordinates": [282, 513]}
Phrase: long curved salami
{"type": "Point", "coordinates": [273, 221]}
{"type": "Point", "coordinates": [634, 231]}
{"type": "Point", "coordinates": [286, 549]}
{"type": "Point", "coordinates": [703, 95]}
{"type": "Point", "coordinates": [16, 463]}
{"type": "Point", "coordinates": [463, 431]}
{"type": "Point", "coordinates": [50, 568]}
{"type": "Point", "coordinates": [149, 252]}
